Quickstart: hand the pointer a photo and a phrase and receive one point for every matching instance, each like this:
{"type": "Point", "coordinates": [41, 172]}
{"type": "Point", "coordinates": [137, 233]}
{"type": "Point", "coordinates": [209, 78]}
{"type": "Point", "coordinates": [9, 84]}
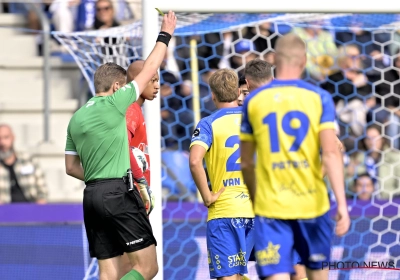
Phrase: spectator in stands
{"type": "Point", "coordinates": [104, 19]}
{"type": "Point", "coordinates": [244, 52]}
{"type": "Point", "coordinates": [227, 39]}
{"type": "Point", "coordinates": [368, 44]}
{"type": "Point", "coordinates": [64, 14]}
{"type": "Point", "coordinates": [264, 38]}
{"type": "Point", "coordinates": [379, 161]}
{"type": "Point", "coordinates": [105, 15]}
{"type": "Point", "coordinates": [21, 179]}
{"type": "Point", "coordinates": [395, 43]}
{"type": "Point", "coordinates": [209, 52]}
{"type": "Point", "coordinates": [393, 126]}
{"type": "Point", "coordinates": [321, 50]}
{"type": "Point", "coordinates": [363, 187]}
{"type": "Point", "coordinates": [205, 94]}
{"type": "Point", "coordinates": [389, 83]}
{"type": "Point", "coordinates": [351, 92]}
{"type": "Point", "coordinates": [381, 112]}
{"type": "Point", "coordinates": [185, 112]}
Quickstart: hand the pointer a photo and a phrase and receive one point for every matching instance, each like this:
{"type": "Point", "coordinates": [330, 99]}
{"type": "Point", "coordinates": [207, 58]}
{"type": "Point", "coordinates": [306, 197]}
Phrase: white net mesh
{"type": "Point", "coordinates": [354, 57]}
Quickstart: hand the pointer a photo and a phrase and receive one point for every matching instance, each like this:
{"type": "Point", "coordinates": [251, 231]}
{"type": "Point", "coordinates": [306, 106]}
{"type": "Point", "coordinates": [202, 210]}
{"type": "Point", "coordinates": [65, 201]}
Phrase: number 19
{"type": "Point", "coordinates": [299, 133]}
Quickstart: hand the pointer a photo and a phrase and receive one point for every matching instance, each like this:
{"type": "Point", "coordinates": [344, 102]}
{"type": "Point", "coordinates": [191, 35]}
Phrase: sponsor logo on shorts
{"type": "Point", "coordinates": [134, 242]}
{"type": "Point", "coordinates": [238, 259]}
{"type": "Point", "coordinates": [242, 222]}
{"type": "Point", "coordinates": [269, 255]}
{"type": "Point", "coordinates": [317, 258]}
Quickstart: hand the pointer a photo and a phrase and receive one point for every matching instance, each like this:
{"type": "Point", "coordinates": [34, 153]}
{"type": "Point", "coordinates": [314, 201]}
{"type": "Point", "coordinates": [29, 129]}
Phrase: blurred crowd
{"type": "Point", "coordinates": [360, 68]}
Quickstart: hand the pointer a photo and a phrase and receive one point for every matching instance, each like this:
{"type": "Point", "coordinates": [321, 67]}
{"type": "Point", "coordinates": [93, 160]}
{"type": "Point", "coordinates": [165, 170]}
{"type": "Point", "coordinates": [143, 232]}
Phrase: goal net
{"type": "Point", "coordinates": [352, 56]}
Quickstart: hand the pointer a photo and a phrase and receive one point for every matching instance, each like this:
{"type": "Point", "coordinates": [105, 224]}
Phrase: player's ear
{"type": "Point", "coordinates": [213, 97]}
{"type": "Point", "coordinates": [304, 61]}
{"type": "Point", "coordinates": [116, 86]}
{"type": "Point", "coordinates": [238, 92]}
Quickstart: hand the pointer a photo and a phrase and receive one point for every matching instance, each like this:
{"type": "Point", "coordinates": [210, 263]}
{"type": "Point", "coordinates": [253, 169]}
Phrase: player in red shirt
{"type": "Point", "coordinates": [137, 128]}
{"type": "Point", "coordinates": [137, 138]}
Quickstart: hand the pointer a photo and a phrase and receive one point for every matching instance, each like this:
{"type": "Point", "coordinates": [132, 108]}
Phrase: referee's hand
{"type": "Point", "coordinates": [169, 23]}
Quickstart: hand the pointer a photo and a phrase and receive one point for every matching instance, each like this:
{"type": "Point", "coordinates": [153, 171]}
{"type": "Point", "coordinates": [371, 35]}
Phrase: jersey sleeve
{"type": "Point", "coordinates": [70, 148]}
{"type": "Point", "coordinates": [132, 119]}
{"type": "Point", "coordinates": [202, 135]}
{"type": "Point", "coordinates": [125, 96]}
{"type": "Point", "coordinates": [246, 130]}
{"type": "Point", "coordinates": [328, 112]}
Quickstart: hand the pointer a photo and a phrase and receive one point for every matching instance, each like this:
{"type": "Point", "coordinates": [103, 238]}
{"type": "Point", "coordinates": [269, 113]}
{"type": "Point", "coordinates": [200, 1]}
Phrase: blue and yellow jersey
{"type": "Point", "coordinates": [219, 135]}
{"type": "Point", "coordinates": [284, 119]}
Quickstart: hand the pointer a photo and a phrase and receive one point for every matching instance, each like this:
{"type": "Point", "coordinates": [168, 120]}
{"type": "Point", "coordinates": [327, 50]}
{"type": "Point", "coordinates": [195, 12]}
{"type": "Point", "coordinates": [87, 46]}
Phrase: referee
{"type": "Point", "coordinates": [97, 152]}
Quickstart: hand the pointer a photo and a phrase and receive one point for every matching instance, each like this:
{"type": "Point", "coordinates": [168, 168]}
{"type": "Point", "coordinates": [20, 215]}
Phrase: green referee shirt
{"type": "Point", "coordinates": [97, 133]}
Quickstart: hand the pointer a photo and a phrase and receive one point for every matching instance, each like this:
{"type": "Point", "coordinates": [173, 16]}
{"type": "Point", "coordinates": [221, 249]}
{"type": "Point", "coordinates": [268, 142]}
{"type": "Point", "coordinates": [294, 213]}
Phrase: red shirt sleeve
{"type": "Point", "coordinates": [131, 121]}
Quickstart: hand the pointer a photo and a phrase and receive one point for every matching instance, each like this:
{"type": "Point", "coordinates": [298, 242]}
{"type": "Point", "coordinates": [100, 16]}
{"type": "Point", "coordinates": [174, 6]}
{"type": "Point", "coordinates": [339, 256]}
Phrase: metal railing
{"type": "Point", "coordinates": [45, 23]}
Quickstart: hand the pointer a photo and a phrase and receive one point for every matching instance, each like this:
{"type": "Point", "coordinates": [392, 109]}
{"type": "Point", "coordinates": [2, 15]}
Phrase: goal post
{"type": "Point", "coordinates": [153, 127]}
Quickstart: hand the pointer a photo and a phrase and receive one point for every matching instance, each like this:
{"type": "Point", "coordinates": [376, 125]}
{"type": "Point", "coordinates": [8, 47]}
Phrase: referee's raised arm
{"type": "Point", "coordinates": [131, 92]}
{"type": "Point", "coordinates": [156, 57]}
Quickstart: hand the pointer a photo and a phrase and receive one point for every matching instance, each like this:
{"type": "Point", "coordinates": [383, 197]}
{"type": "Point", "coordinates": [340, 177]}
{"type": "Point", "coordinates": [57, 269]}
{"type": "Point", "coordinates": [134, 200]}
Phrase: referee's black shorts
{"type": "Point", "coordinates": [115, 219]}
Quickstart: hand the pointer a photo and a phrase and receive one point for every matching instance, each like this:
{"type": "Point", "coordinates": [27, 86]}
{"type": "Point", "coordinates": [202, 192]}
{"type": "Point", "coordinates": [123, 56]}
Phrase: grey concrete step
{"type": "Point", "coordinates": [19, 46]}
{"type": "Point", "coordinates": [12, 20]}
{"type": "Point", "coordinates": [25, 90]}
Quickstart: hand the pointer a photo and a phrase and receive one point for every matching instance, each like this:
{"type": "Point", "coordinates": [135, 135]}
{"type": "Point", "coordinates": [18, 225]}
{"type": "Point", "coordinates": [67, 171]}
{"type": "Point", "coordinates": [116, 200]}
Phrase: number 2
{"type": "Point", "coordinates": [231, 163]}
{"type": "Point", "coordinates": [298, 133]}
{"type": "Point", "coordinates": [89, 103]}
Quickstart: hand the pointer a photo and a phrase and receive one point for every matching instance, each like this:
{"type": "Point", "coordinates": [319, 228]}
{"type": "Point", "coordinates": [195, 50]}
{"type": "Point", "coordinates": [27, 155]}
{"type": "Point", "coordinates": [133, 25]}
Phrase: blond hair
{"type": "Point", "coordinates": [224, 85]}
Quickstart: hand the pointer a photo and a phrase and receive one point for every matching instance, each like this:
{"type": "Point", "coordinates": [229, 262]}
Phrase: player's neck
{"type": "Point", "coordinates": [288, 73]}
{"type": "Point", "coordinates": [104, 93]}
{"type": "Point", "coordinates": [140, 101]}
{"type": "Point", "coordinates": [221, 105]}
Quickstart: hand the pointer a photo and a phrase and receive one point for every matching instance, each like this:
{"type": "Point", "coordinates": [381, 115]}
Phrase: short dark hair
{"type": "Point", "coordinates": [258, 70]}
{"type": "Point", "coordinates": [106, 75]}
{"type": "Point", "coordinates": [242, 80]}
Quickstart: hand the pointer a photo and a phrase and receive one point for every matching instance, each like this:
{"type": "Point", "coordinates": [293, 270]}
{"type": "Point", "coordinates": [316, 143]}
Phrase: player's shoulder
{"type": "Point", "coordinates": [276, 84]}
{"type": "Point", "coordinates": [313, 88]}
{"type": "Point", "coordinates": [224, 112]}
{"type": "Point", "coordinates": [135, 107]}
{"type": "Point", "coordinates": [209, 120]}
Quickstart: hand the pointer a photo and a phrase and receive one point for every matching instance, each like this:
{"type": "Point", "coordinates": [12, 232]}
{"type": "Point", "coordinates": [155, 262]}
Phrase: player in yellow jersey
{"type": "Point", "coordinates": [259, 73]}
{"type": "Point", "coordinates": [230, 214]}
{"type": "Point", "coordinates": [287, 122]}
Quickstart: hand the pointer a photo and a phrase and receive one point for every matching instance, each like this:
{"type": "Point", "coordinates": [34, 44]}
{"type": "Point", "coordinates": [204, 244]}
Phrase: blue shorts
{"type": "Point", "coordinates": [296, 257]}
{"type": "Point", "coordinates": [277, 241]}
{"type": "Point", "coordinates": [229, 243]}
